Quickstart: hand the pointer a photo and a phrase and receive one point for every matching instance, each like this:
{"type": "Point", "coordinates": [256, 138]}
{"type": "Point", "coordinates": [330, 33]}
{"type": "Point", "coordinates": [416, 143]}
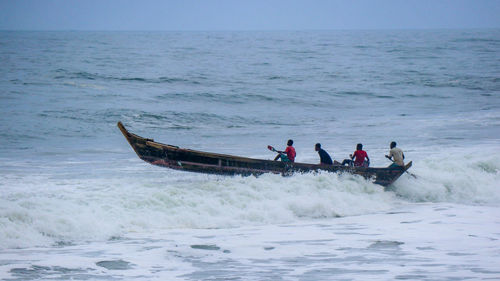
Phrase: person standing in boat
{"type": "Point", "coordinates": [324, 157]}
{"type": "Point", "coordinates": [289, 152]}
{"type": "Point", "coordinates": [397, 154]}
{"type": "Point", "coordinates": [358, 158]}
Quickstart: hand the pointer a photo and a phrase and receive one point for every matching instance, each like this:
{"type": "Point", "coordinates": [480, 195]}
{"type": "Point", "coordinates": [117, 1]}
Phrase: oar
{"type": "Point", "coordinates": [274, 150]}
{"type": "Point", "coordinates": [406, 171]}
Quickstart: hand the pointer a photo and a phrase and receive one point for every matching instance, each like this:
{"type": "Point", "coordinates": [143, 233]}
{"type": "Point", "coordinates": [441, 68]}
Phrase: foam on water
{"type": "Point", "coordinates": [40, 210]}
{"type": "Point", "coordinates": [469, 176]}
{"type": "Point", "coordinates": [45, 209]}
{"type": "Point", "coordinates": [389, 246]}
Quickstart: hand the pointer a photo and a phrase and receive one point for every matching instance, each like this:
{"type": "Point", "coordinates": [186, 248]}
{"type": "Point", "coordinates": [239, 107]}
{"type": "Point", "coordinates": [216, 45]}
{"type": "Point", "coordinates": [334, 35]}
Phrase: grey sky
{"type": "Point", "coordinates": [246, 15]}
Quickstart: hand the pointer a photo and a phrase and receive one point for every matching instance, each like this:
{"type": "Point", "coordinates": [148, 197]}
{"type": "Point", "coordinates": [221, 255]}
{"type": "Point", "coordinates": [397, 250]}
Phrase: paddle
{"type": "Point", "coordinates": [405, 170]}
{"type": "Point", "coordinates": [280, 153]}
{"type": "Point", "coordinates": [271, 148]}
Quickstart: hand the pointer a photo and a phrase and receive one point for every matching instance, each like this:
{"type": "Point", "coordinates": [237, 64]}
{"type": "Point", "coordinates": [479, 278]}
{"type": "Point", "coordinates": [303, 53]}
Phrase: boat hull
{"type": "Point", "coordinates": [174, 157]}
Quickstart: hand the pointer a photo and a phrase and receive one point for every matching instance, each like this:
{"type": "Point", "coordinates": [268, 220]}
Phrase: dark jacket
{"type": "Point", "coordinates": [324, 157]}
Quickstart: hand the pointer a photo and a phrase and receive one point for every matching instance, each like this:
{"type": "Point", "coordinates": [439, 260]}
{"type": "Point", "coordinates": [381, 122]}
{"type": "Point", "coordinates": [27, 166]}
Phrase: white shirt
{"type": "Point", "coordinates": [397, 154]}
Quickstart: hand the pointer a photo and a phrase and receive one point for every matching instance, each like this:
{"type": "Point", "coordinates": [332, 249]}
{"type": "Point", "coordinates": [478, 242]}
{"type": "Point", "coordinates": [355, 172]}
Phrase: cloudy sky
{"type": "Point", "coordinates": [247, 14]}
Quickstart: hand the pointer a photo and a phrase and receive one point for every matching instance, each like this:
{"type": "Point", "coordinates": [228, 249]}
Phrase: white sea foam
{"type": "Point", "coordinates": [38, 209]}
{"type": "Point", "coordinates": [41, 210]}
{"type": "Point", "coordinates": [469, 176]}
{"type": "Point", "coordinates": [418, 241]}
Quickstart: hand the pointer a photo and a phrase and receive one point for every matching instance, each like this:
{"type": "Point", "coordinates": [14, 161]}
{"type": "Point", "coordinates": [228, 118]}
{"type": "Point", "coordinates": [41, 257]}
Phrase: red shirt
{"type": "Point", "coordinates": [360, 157]}
{"type": "Point", "coordinates": [290, 153]}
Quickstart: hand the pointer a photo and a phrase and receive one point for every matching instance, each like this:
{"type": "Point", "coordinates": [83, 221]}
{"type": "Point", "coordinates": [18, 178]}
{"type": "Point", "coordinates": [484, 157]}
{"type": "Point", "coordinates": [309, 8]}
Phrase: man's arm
{"type": "Point", "coordinates": [389, 156]}
{"type": "Point", "coordinates": [279, 154]}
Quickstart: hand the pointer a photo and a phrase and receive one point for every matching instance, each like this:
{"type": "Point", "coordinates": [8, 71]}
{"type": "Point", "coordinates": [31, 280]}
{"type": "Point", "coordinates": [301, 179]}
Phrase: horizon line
{"type": "Point", "coordinates": [250, 30]}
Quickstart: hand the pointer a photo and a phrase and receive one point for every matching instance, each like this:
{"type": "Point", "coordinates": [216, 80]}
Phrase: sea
{"type": "Point", "coordinates": [76, 203]}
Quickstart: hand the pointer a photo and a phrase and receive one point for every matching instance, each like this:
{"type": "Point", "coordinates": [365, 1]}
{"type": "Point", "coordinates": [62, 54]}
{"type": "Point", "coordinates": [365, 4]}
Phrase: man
{"type": "Point", "coordinates": [358, 157]}
{"type": "Point", "coordinates": [325, 159]}
{"type": "Point", "coordinates": [397, 154]}
{"type": "Point", "coordinates": [289, 151]}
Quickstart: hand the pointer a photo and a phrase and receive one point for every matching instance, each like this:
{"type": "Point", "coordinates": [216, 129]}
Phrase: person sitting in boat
{"type": "Point", "coordinates": [397, 154]}
{"type": "Point", "coordinates": [358, 158]}
{"type": "Point", "coordinates": [324, 157]}
{"type": "Point", "coordinates": [289, 153]}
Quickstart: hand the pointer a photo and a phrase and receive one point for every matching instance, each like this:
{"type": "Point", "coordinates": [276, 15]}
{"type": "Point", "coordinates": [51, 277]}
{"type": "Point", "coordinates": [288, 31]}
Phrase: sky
{"type": "Point", "coordinates": [247, 14]}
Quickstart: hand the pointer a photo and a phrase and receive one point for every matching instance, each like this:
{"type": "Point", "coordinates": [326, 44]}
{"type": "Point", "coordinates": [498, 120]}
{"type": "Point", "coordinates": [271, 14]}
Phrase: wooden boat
{"type": "Point", "coordinates": [174, 157]}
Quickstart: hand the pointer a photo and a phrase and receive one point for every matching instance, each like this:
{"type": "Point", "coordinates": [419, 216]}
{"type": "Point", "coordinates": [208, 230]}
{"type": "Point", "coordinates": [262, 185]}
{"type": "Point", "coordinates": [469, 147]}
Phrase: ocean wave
{"type": "Point", "coordinates": [355, 93]}
{"type": "Point", "coordinates": [477, 39]}
{"type": "Point", "coordinates": [84, 123]}
{"type": "Point", "coordinates": [195, 120]}
{"type": "Point", "coordinates": [470, 178]}
{"type": "Point", "coordinates": [459, 82]}
{"type": "Point", "coordinates": [64, 74]}
{"type": "Point", "coordinates": [234, 97]}
{"type": "Point", "coordinates": [43, 209]}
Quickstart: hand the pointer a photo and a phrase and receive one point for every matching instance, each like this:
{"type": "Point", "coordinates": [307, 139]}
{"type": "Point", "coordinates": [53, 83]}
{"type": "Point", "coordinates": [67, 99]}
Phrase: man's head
{"type": "Point", "coordinates": [359, 146]}
{"type": "Point", "coordinates": [317, 147]}
{"type": "Point", "coordinates": [289, 143]}
{"type": "Point", "coordinates": [393, 144]}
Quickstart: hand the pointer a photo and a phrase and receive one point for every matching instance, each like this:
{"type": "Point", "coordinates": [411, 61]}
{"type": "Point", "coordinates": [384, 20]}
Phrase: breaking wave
{"type": "Point", "coordinates": [46, 209]}
{"type": "Point", "coordinates": [471, 178]}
